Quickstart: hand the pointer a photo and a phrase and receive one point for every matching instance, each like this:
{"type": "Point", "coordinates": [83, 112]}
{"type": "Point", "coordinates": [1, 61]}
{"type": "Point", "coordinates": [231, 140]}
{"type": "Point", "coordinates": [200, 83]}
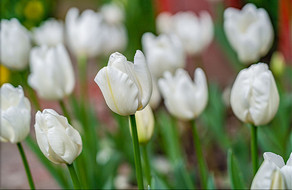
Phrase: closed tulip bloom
{"type": "Point", "coordinates": [57, 139]}
{"type": "Point", "coordinates": [125, 86]}
{"type": "Point", "coordinates": [50, 33]}
{"type": "Point", "coordinates": [84, 32]}
{"type": "Point", "coordinates": [15, 114]}
{"type": "Point", "coordinates": [273, 173]}
{"type": "Point", "coordinates": [184, 98]}
{"type": "Point", "coordinates": [254, 96]}
{"type": "Point", "coordinates": [145, 124]}
{"type": "Point", "coordinates": [195, 32]}
{"type": "Point", "coordinates": [163, 53]}
{"type": "Point", "coordinates": [52, 73]}
{"type": "Point", "coordinates": [249, 31]}
{"type": "Point", "coordinates": [15, 44]}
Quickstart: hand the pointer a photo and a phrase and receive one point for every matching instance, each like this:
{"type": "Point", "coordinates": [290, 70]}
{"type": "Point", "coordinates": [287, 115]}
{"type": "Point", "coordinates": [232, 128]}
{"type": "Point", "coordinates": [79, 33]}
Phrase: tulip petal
{"type": "Point", "coordinates": [201, 91]}
{"type": "Point", "coordinates": [287, 173]}
{"type": "Point", "coordinates": [263, 177]}
{"type": "Point", "coordinates": [275, 159]}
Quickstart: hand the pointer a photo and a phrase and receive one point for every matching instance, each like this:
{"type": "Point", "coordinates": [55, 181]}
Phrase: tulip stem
{"type": "Point", "coordinates": [254, 149]}
{"type": "Point", "coordinates": [137, 156]}
{"type": "Point", "coordinates": [82, 63]}
{"type": "Point", "coordinates": [200, 158]}
{"type": "Point", "coordinates": [26, 166]}
{"type": "Point", "coordinates": [65, 111]}
{"type": "Point", "coordinates": [74, 176]}
{"type": "Point", "coordinates": [146, 164]}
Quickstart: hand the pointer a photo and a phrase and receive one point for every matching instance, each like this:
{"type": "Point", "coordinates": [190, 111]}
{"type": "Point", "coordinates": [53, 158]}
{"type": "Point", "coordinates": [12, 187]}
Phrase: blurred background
{"type": "Point", "coordinates": [218, 60]}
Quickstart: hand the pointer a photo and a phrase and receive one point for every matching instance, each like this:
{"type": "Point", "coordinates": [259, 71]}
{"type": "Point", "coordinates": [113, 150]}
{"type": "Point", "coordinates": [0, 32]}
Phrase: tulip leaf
{"type": "Point", "coordinates": [211, 183]}
{"type": "Point", "coordinates": [158, 183]}
{"type": "Point", "coordinates": [234, 173]}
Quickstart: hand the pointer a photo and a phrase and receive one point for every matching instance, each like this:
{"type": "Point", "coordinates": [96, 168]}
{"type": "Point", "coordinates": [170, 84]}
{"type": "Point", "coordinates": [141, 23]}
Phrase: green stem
{"type": "Point", "coordinates": [146, 164]}
{"type": "Point", "coordinates": [26, 166]}
{"type": "Point", "coordinates": [65, 111]}
{"type": "Point", "coordinates": [200, 158]}
{"type": "Point", "coordinates": [74, 176]}
{"type": "Point", "coordinates": [137, 157]}
{"type": "Point", "coordinates": [82, 68]}
{"type": "Point", "coordinates": [254, 149]}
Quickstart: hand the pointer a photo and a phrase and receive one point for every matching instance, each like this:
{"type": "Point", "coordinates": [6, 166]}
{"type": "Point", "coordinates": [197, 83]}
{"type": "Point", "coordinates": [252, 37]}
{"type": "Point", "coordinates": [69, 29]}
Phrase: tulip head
{"type": "Point", "coordinates": [52, 73]}
{"type": "Point", "coordinates": [273, 173]}
{"type": "Point", "coordinates": [145, 124]}
{"type": "Point", "coordinates": [126, 87]}
{"type": "Point", "coordinates": [50, 33]}
{"type": "Point", "coordinates": [254, 96]}
{"type": "Point", "coordinates": [15, 44]}
{"type": "Point", "coordinates": [249, 31]}
{"type": "Point", "coordinates": [112, 13]}
{"type": "Point", "coordinates": [184, 98]}
{"type": "Point", "coordinates": [15, 114]}
{"type": "Point", "coordinates": [57, 139]}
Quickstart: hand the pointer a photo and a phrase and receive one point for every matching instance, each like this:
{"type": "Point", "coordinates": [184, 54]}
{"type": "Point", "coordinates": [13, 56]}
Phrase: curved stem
{"type": "Point", "coordinates": [65, 111]}
{"type": "Point", "coordinates": [74, 176]}
{"type": "Point", "coordinates": [26, 166]}
{"type": "Point", "coordinates": [137, 156]}
{"type": "Point", "coordinates": [200, 158]}
{"type": "Point", "coordinates": [146, 164]}
{"type": "Point", "coordinates": [254, 149]}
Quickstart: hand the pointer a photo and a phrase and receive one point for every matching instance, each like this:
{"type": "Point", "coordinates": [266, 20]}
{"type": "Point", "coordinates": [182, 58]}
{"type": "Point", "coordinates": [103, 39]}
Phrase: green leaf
{"type": "Point", "coordinates": [158, 183]}
{"type": "Point", "coordinates": [234, 172]}
{"type": "Point", "coordinates": [211, 183]}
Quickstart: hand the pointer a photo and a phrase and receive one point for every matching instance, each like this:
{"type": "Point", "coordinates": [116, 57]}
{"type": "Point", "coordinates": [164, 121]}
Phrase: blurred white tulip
{"type": "Point", "coordinates": [273, 173]}
{"type": "Point", "coordinates": [52, 73]}
{"type": "Point", "coordinates": [249, 32]}
{"type": "Point", "coordinates": [195, 32]}
{"type": "Point", "coordinates": [57, 139]}
{"type": "Point", "coordinates": [254, 96]}
{"type": "Point", "coordinates": [155, 97]}
{"type": "Point", "coordinates": [145, 124]}
{"type": "Point", "coordinates": [15, 114]}
{"type": "Point", "coordinates": [126, 87]}
{"type": "Point", "coordinates": [112, 13]}
{"type": "Point", "coordinates": [84, 32]}
{"type": "Point", "coordinates": [184, 98]}
{"type": "Point", "coordinates": [15, 44]}
{"type": "Point", "coordinates": [163, 53]}
{"type": "Point", "coordinates": [50, 33]}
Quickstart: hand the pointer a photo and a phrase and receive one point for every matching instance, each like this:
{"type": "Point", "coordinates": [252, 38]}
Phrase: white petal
{"type": "Point", "coordinates": [201, 91]}
{"type": "Point", "coordinates": [275, 159]}
{"type": "Point", "coordinates": [263, 177]}
{"type": "Point", "coordinates": [287, 173]}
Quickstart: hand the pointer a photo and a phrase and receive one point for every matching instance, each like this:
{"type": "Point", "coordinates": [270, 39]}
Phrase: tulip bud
{"type": "Point", "coordinates": [15, 114]}
{"type": "Point", "coordinates": [84, 32]}
{"type": "Point", "coordinates": [278, 64]}
{"type": "Point", "coordinates": [15, 44]}
{"type": "Point", "coordinates": [273, 173]}
{"type": "Point", "coordinates": [184, 98]}
{"type": "Point", "coordinates": [52, 73]}
{"type": "Point", "coordinates": [145, 124]}
{"type": "Point", "coordinates": [249, 32]}
{"type": "Point", "coordinates": [57, 139]}
{"type": "Point", "coordinates": [126, 87]}
{"type": "Point", "coordinates": [163, 53]}
{"type": "Point", "coordinates": [254, 96]}
{"type": "Point", "coordinates": [50, 33]}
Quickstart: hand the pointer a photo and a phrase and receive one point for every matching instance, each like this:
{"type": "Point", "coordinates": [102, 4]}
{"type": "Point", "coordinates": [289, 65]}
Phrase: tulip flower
{"type": "Point", "coordinates": [254, 96]}
{"type": "Point", "coordinates": [15, 44]}
{"type": "Point", "coordinates": [50, 33]}
{"type": "Point", "coordinates": [15, 114]}
{"type": "Point", "coordinates": [163, 53]}
{"type": "Point", "coordinates": [125, 86]}
{"type": "Point", "coordinates": [57, 139]}
{"type": "Point", "coordinates": [195, 32]}
{"type": "Point", "coordinates": [273, 173]}
{"type": "Point", "coordinates": [112, 13]}
{"type": "Point", "coordinates": [145, 124]}
{"type": "Point", "coordinates": [52, 73]}
{"type": "Point", "coordinates": [84, 32]}
{"type": "Point", "coordinates": [184, 98]}
{"type": "Point", "coordinates": [249, 31]}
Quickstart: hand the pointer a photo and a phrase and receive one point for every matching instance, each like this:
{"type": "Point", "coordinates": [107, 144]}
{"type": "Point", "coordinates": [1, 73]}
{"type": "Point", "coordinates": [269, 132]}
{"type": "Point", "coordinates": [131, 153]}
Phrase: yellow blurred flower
{"type": "Point", "coordinates": [4, 75]}
{"type": "Point", "coordinates": [34, 10]}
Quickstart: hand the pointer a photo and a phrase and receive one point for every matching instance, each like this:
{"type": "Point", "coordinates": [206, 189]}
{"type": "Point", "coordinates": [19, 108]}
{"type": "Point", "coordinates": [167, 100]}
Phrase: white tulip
{"type": "Point", "coordinates": [273, 173]}
{"type": "Point", "coordinates": [84, 32]}
{"type": "Point", "coordinates": [112, 13]}
{"type": "Point", "coordinates": [254, 96]}
{"type": "Point", "coordinates": [249, 32]}
{"type": "Point", "coordinates": [184, 98]}
{"type": "Point", "coordinates": [145, 124]}
{"type": "Point", "coordinates": [125, 86]}
{"type": "Point", "coordinates": [15, 44]}
{"type": "Point", "coordinates": [15, 114]}
{"type": "Point", "coordinates": [163, 53]}
{"type": "Point", "coordinates": [57, 139]}
{"type": "Point", "coordinates": [52, 73]}
{"type": "Point", "coordinates": [155, 97]}
{"type": "Point", "coordinates": [195, 32]}
{"type": "Point", "coordinates": [50, 33]}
